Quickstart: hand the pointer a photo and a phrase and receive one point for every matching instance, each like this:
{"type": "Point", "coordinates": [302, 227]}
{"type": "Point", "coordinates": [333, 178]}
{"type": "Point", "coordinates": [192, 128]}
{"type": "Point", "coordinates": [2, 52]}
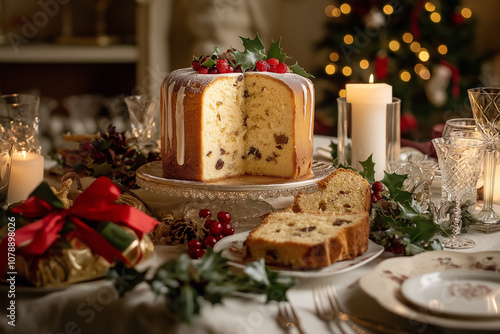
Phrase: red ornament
{"type": "Point", "coordinates": [408, 121]}
{"type": "Point", "coordinates": [381, 65]}
{"type": "Point", "coordinates": [457, 19]}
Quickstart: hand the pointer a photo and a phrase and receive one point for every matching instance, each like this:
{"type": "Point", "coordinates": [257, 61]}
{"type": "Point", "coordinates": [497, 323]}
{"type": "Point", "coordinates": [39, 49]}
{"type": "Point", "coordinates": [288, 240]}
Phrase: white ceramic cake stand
{"type": "Point", "coordinates": [240, 196]}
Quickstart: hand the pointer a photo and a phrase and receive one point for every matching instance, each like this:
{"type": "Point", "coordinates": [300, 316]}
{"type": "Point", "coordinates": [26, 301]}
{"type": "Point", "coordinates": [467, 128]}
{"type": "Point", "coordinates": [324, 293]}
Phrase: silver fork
{"type": "Point", "coordinates": [287, 318]}
{"type": "Point", "coordinates": [327, 306]}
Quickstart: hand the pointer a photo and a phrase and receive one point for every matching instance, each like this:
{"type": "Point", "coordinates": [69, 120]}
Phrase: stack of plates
{"type": "Point", "coordinates": [443, 288]}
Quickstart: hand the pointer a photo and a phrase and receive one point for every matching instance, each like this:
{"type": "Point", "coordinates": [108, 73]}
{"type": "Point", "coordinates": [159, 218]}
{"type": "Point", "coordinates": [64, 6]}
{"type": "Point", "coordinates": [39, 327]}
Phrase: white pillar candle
{"type": "Point", "coordinates": [25, 175]}
{"type": "Point", "coordinates": [368, 123]}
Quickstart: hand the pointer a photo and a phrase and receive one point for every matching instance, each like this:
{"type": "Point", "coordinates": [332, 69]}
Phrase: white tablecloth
{"type": "Point", "coordinates": [95, 308]}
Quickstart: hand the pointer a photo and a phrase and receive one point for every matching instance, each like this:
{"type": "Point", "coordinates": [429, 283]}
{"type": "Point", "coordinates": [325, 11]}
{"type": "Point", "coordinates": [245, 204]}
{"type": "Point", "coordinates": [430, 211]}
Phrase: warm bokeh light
{"type": "Point", "coordinates": [408, 38]}
{"type": "Point", "coordinates": [443, 49]}
{"type": "Point", "coordinates": [466, 12]}
{"type": "Point", "coordinates": [419, 67]}
{"type": "Point", "coordinates": [330, 69]}
{"type": "Point", "coordinates": [336, 12]}
{"type": "Point", "coordinates": [329, 10]}
{"type": "Point", "coordinates": [425, 74]}
{"type": "Point", "coordinates": [435, 17]}
{"type": "Point", "coordinates": [342, 93]}
{"type": "Point", "coordinates": [430, 7]}
{"type": "Point", "coordinates": [415, 46]}
{"type": "Point", "coordinates": [405, 75]}
{"type": "Point", "coordinates": [345, 8]}
{"type": "Point", "coordinates": [423, 55]}
{"type": "Point", "coordinates": [348, 39]}
{"type": "Point", "coordinates": [334, 56]}
{"type": "Point", "coordinates": [388, 9]}
{"type": "Point", "coordinates": [347, 71]}
{"type": "Point", "coordinates": [364, 64]}
{"type": "Point", "coordinates": [394, 45]}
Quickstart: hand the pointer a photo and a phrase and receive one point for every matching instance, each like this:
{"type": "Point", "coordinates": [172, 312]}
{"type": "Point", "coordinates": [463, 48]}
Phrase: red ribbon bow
{"type": "Point", "coordinates": [95, 203]}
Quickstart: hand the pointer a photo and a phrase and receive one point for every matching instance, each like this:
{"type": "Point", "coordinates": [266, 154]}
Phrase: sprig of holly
{"type": "Point", "coordinates": [186, 285]}
{"type": "Point", "coordinates": [109, 154]}
{"type": "Point", "coordinates": [241, 61]}
{"type": "Point", "coordinates": [397, 221]}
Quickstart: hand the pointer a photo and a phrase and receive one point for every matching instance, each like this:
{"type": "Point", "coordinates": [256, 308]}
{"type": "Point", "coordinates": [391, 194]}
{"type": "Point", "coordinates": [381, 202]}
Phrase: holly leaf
{"type": "Point", "coordinates": [368, 169]}
{"type": "Point", "coordinates": [275, 51]}
{"type": "Point", "coordinates": [247, 59]}
{"type": "Point", "coordinates": [295, 68]}
{"type": "Point", "coordinates": [254, 45]}
{"type": "Point", "coordinates": [216, 51]}
{"type": "Point", "coordinates": [209, 62]}
{"type": "Point", "coordinates": [44, 192]}
{"type": "Point", "coordinates": [394, 182]}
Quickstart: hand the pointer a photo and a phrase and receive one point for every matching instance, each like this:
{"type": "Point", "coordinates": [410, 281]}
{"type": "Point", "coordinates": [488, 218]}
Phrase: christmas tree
{"type": "Point", "coordinates": [423, 49]}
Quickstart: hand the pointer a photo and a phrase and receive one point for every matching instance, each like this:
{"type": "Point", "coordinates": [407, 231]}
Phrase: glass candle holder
{"type": "Point", "coordinates": [19, 121]}
{"type": "Point", "coordinates": [380, 137]}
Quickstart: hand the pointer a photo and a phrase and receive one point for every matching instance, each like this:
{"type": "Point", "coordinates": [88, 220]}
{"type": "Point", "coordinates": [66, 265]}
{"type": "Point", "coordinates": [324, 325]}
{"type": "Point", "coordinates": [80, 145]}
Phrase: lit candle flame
{"type": "Point", "coordinates": [371, 78]}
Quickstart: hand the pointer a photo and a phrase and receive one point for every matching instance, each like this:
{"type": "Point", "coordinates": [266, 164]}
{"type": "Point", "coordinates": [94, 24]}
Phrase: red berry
{"type": "Point", "coordinates": [203, 70]}
{"type": "Point", "coordinates": [282, 68]}
{"type": "Point", "coordinates": [209, 241]}
{"type": "Point", "coordinates": [273, 61]}
{"type": "Point", "coordinates": [219, 237]}
{"type": "Point", "coordinates": [377, 186]}
{"type": "Point", "coordinates": [205, 213]}
{"type": "Point", "coordinates": [261, 66]}
{"type": "Point", "coordinates": [376, 197]}
{"type": "Point", "coordinates": [208, 223]}
{"type": "Point", "coordinates": [212, 70]}
{"type": "Point", "coordinates": [272, 68]}
{"type": "Point", "coordinates": [193, 253]}
{"type": "Point", "coordinates": [224, 217]}
{"type": "Point", "coordinates": [200, 252]}
{"type": "Point", "coordinates": [227, 229]}
{"type": "Point", "coordinates": [196, 64]}
{"type": "Point", "coordinates": [223, 66]}
{"type": "Point", "coordinates": [216, 228]}
{"type": "Point", "coordinates": [194, 244]}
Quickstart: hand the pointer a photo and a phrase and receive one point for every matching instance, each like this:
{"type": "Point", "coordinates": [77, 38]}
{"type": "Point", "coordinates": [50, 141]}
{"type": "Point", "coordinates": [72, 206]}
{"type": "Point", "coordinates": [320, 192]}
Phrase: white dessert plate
{"type": "Point", "coordinates": [463, 293]}
{"type": "Point", "coordinates": [384, 283]}
{"type": "Point", "coordinates": [232, 250]}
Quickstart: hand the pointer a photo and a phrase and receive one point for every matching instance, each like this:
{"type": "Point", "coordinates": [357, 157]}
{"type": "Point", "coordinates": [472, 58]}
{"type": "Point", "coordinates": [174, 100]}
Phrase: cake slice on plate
{"type": "Point", "coordinates": [308, 240]}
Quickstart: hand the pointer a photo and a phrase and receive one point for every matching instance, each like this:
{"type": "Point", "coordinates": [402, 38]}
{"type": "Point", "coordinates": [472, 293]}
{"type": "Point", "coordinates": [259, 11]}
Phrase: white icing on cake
{"type": "Point", "coordinates": [179, 125]}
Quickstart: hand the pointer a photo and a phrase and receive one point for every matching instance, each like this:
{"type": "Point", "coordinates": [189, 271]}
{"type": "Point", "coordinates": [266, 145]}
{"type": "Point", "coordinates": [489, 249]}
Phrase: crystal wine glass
{"type": "Point", "coordinates": [485, 103]}
{"type": "Point", "coordinates": [143, 112]}
{"type": "Point", "coordinates": [460, 159]}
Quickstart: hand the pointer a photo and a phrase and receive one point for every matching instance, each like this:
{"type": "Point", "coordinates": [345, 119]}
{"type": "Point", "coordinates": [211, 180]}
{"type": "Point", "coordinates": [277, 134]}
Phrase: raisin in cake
{"type": "Point", "coordinates": [308, 240]}
{"type": "Point", "coordinates": [216, 126]}
{"type": "Point", "coordinates": [342, 191]}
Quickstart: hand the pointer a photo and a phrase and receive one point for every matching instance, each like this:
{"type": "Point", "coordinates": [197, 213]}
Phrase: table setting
{"type": "Point", "coordinates": [432, 263]}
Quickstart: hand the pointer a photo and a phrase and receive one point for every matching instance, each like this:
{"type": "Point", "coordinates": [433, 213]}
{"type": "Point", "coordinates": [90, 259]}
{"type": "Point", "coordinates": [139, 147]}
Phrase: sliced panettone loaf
{"type": "Point", "coordinates": [308, 240]}
{"type": "Point", "coordinates": [342, 191]}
